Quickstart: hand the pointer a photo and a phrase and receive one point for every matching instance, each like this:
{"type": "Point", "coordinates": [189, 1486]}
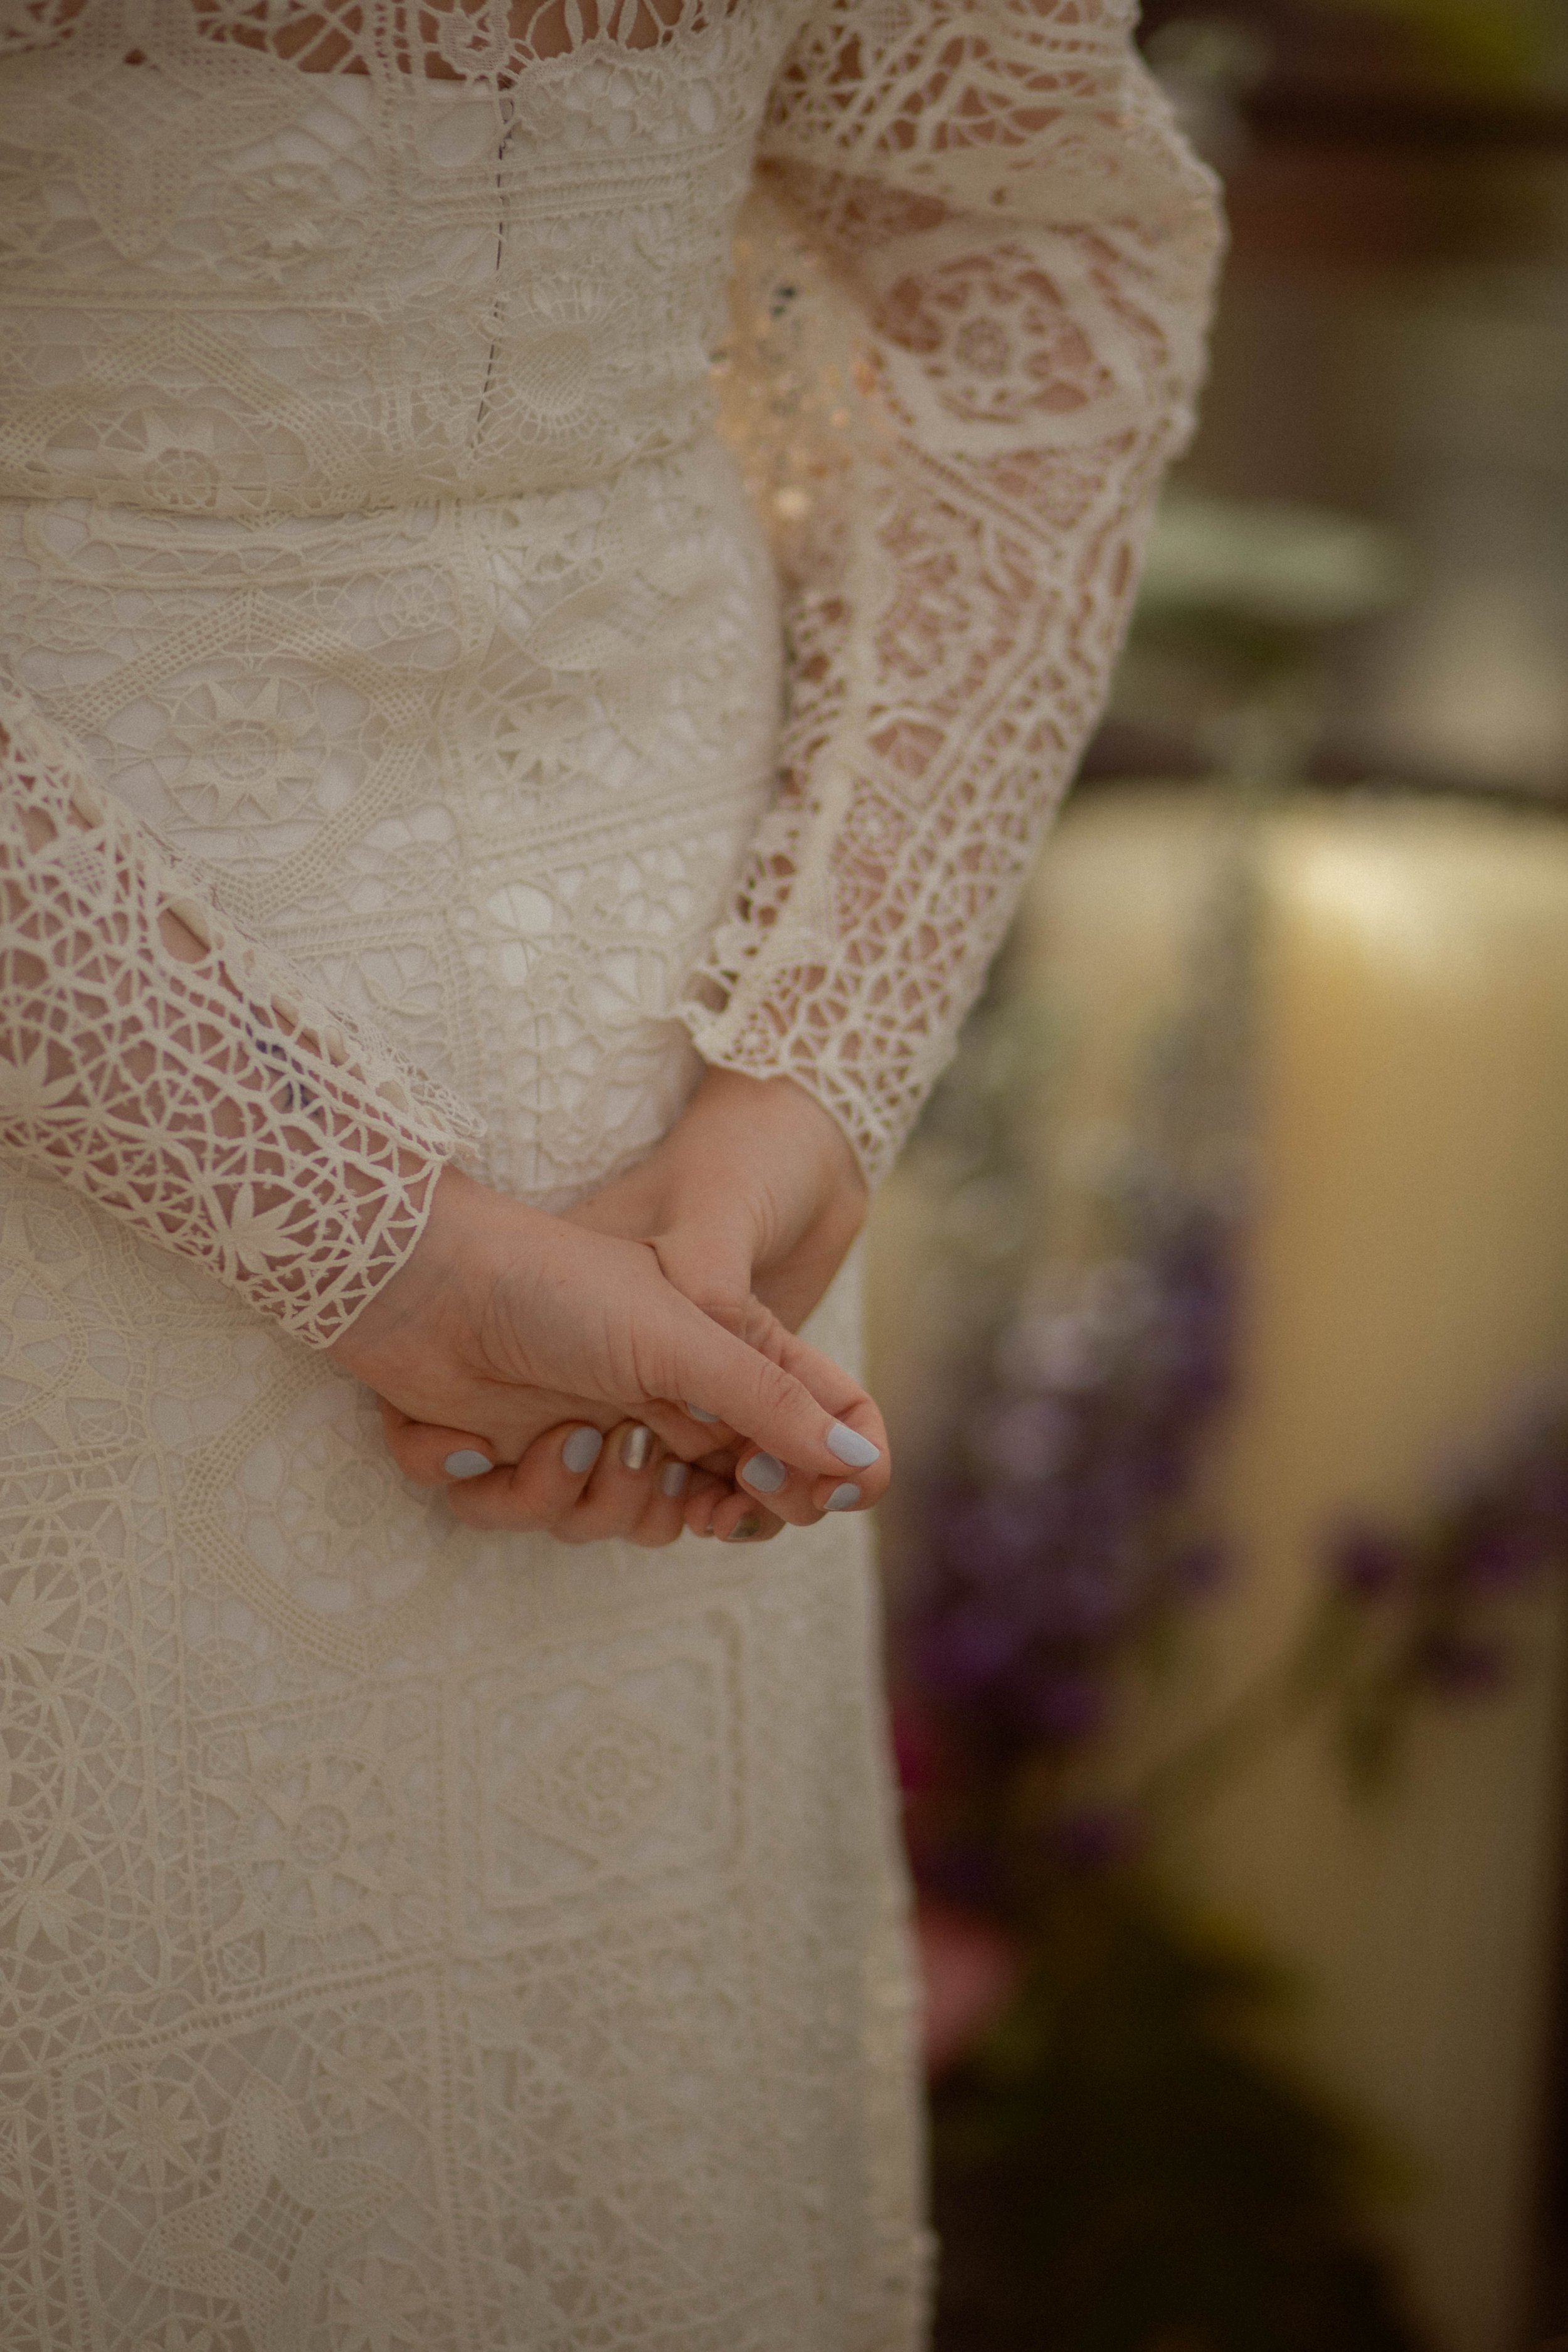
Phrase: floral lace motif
{"type": "Point", "coordinates": [978, 282]}
{"type": "Point", "coordinates": [407, 1938]}
{"type": "Point", "coordinates": [210, 1103]}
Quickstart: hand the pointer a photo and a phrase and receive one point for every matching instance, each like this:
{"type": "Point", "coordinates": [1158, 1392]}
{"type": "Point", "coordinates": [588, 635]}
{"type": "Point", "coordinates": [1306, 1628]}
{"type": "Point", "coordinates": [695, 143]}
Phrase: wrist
{"type": "Point", "coordinates": [780, 1111]}
{"type": "Point", "coordinates": [436, 1286]}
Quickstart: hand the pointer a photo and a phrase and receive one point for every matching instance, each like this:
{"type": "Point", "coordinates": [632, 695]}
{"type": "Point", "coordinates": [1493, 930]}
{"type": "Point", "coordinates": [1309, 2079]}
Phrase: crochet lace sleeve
{"type": "Point", "coordinates": [971, 297]}
{"type": "Point", "coordinates": [177, 1073]}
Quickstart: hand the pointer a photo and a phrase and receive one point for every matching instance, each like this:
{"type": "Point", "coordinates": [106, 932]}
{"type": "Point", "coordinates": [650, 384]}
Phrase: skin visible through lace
{"type": "Point", "coordinates": [137, 1066]}
{"type": "Point", "coordinates": [429, 38]}
{"type": "Point", "coordinates": [1011, 382]}
{"type": "Point", "coordinates": [977, 397]}
{"type": "Point", "coordinates": [386, 1908]}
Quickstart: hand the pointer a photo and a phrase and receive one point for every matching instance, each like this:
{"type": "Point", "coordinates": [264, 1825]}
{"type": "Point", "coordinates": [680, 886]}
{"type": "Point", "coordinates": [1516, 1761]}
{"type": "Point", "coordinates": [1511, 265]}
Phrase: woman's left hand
{"type": "Point", "coordinates": [750, 1204]}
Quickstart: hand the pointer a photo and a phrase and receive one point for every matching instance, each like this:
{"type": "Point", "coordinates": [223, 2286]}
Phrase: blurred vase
{"type": "Point", "coordinates": [1407, 1283]}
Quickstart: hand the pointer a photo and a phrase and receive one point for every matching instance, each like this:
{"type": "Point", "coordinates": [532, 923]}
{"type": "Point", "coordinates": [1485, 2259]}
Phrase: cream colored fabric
{"type": "Point", "coordinates": [968, 334]}
{"type": "Point", "coordinates": [213, 1106]}
{"type": "Point", "coordinates": [408, 1939]}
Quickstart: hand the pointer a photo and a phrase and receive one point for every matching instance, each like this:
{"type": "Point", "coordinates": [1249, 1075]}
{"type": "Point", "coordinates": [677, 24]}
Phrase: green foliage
{"type": "Point", "coordinates": [1122, 2167]}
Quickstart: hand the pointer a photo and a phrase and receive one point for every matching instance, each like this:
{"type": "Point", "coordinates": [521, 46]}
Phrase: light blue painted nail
{"type": "Point", "coordinates": [764, 1473]}
{"type": "Point", "coordinates": [581, 1450]}
{"type": "Point", "coordinates": [698, 1414]}
{"type": "Point", "coordinates": [672, 1479]}
{"type": "Point", "coordinates": [466, 1463]}
{"type": "Point", "coordinates": [851, 1447]}
{"type": "Point", "coordinates": [843, 1498]}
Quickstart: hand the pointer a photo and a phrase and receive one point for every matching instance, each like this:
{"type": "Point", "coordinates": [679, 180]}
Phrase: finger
{"type": "Point", "coordinates": [639, 1494]}
{"type": "Point", "coordinates": [716, 1507]}
{"type": "Point", "coordinates": [788, 1494]}
{"type": "Point", "coordinates": [802, 1502]}
{"type": "Point", "coordinates": [847, 1495]}
{"type": "Point", "coordinates": [539, 1490]}
{"type": "Point", "coordinates": [432, 1457]}
{"type": "Point", "coordinates": [775, 1402]}
{"type": "Point", "coordinates": [704, 1493]}
{"type": "Point", "coordinates": [738, 1520]}
{"type": "Point", "coordinates": [855, 1409]}
{"type": "Point", "coordinates": [856, 1483]}
{"type": "Point", "coordinates": [624, 1483]}
{"type": "Point", "coordinates": [664, 1513]}
{"type": "Point", "coordinates": [681, 1430]}
{"type": "Point", "coordinates": [435, 1456]}
{"type": "Point", "coordinates": [796, 1496]}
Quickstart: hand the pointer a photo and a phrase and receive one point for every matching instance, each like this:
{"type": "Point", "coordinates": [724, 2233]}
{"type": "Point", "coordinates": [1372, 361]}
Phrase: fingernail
{"type": "Point", "coordinates": [581, 1450]}
{"type": "Point", "coordinates": [698, 1414]}
{"type": "Point", "coordinates": [765, 1472]}
{"type": "Point", "coordinates": [744, 1529]}
{"type": "Point", "coordinates": [466, 1463]}
{"type": "Point", "coordinates": [672, 1479]}
{"type": "Point", "coordinates": [636, 1447]}
{"type": "Point", "coordinates": [843, 1498]}
{"type": "Point", "coordinates": [851, 1447]}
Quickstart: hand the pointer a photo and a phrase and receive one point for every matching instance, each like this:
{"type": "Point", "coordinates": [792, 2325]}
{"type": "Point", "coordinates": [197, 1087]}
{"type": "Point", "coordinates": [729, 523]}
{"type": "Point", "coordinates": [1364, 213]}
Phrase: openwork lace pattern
{"type": "Point", "coordinates": [976, 295]}
{"type": "Point", "coordinates": [208, 1103]}
{"type": "Point", "coordinates": [410, 1939]}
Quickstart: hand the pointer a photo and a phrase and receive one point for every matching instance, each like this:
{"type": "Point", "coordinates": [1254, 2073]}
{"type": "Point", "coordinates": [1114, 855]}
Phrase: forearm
{"type": "Point", "coordinates": [161, 1073]}
{"type": "Point", "coordinates": [968, 334]}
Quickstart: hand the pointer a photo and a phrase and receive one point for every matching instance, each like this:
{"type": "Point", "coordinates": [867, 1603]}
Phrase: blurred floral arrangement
{"type": "Point", "coordinates": [1121, 2166]}
{"type": "Point", "coordinates": [1112, 2164]}
{"type": "Point", "coordinates": [1117, 2161]}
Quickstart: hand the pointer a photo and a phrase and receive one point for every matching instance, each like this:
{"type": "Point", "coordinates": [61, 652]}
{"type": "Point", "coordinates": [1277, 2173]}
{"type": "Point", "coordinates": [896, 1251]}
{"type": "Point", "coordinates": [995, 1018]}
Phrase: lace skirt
{"type": "Point", "coordinates": [406, 1937]}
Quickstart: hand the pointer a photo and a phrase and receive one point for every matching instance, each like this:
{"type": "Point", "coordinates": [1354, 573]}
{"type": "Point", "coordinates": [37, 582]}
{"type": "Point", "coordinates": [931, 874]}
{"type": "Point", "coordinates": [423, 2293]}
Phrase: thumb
{"type": "Point", "coordinates": [806, 1410]}
{"type": "Point", "coordinates": [712, 1266]}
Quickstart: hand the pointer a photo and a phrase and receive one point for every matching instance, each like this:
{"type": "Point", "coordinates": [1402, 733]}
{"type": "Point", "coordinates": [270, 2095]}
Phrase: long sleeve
{"type": "Point", "coordinates": [971, 298]}
{"type": "Point", "coordinates": [208, 1103]}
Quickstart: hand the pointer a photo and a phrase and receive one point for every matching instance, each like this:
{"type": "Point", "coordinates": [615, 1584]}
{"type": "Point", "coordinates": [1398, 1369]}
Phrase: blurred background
{"type": "Point", "coordinates": [1221, 1305]}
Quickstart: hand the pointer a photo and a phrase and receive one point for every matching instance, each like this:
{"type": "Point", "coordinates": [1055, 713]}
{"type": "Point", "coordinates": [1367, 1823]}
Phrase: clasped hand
{"type": "Point", "coordinates": [520, 1338]}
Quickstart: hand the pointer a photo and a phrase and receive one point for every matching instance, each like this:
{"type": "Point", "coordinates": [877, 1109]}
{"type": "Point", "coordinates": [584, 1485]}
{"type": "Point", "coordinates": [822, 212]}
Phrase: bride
{"type": "Point", "coordinates": [553, 566]}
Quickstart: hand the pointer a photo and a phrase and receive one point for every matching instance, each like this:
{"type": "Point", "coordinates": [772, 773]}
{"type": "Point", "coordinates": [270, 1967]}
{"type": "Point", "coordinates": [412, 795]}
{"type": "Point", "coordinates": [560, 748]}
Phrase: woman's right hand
{"type": "Point", "coordinates": [504, 1315]}
{"type": "Point", "coordinates": [583, 1485]}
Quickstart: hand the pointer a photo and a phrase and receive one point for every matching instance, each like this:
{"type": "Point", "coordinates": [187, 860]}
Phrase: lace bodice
{"type": "Point", "coordinates": [944, 265]}
{"type": "Point", "coordinates": [535, 547]}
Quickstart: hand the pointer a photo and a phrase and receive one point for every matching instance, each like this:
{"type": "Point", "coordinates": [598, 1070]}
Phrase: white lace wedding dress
{"type": "Point", "coordinates": [409, 1938]}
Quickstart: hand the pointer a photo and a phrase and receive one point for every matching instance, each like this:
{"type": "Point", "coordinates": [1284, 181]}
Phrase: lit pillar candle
{"type": "Point", "coordinates": [1408, 1280]}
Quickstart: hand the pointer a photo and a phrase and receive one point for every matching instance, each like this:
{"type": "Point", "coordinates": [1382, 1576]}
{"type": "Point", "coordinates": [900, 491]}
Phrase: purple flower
{"type": "Point", "coordinates": [962, 1871]}
{"type": "Point", "coordinates": [1500, 1557]}
{"type": "Point", "coordinates": [1460, 1665]}
{"type": "Point", "coordinates": [1030, 1440]}
{"type": "Point", "coordinates": [1544, 1490]}
{"type": "Point", "coordinates": [1164, 1451]}
{"type": "Point", "coordinates": [1193, 1340]}
{"type": "Point", "coordinates": [990, 1540]}
{"type": "Point", "coordinates": [1198, 1569]}
{"type": "Point", "coordinates": [1065, 1706]}
{"type": "Point", "coordinates": [1078, 1605]}
{"type": "Point", "coordinates": [917, 1750]}
{"type": "Point", "coordinates": [1114, 1489]}
{"type": "Point", "coordinates": [1094, 1838]}
{"type": "Point", "coordinates": [965, 1653]}
{"type": "Point", "coordinates": [1367, 1563]}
